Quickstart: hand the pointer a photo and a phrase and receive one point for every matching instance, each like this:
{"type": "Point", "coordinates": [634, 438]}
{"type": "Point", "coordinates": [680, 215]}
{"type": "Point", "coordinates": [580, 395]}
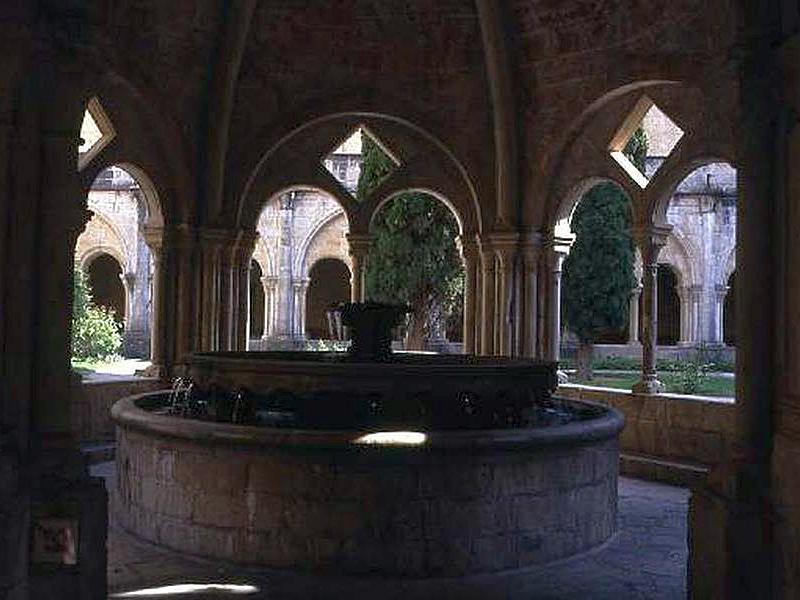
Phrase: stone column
{"type": "Point", "coordinates": [505, 248]}
{"type": "Point", "coordinates": [128, 283]}
{"type": "Point", "coordinates": [187, 295]}
{"type": "Point", "coordinates": [359, 246]}
{"type": "Point", "coordinates": [269, 317]}
{"type": "Point", "coordinates": [469, 254]}
{"type": "Point", "coordinates": [243, 255]}
{"type": "Point", "coordinates": [53, 477]}
{"type": "Point", "coordinates": [488, 291]}
{"type": "Point", "coordinates": [685, 296]}
{"type": "Point", "coordinates": [748, 559]}
{"type": "Point", "coordinates": [633, 315]}
{"type": "Point", "coordinates": [696, 313]}
{"type": "Point", "coordinates": [529, 326]}
{"type": "Point", "coordinates": [208, 305]}
{"type": "Point", "coordinates": [284, 305]}
{"type": "Point", "coordinates": [265, 285]}
{"type": "Point", "coordinates": [718, 331]}
{"type": "Point", "coordinates": [650, 241]}
{"type": "Point", "coordinates": [60, 220]}
{"type": "Point", "coordinates": [556, 253]}
{"type": "Point", "coordinates": [300, 287]}
{"type": "Point", "coordinates": [154, 238]}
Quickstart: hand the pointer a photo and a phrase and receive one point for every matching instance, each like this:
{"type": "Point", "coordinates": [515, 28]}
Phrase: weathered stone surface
{"type": "Point", "coordinates": [448, 511]}
{"type": "Point", "coordinates": [681, 433]}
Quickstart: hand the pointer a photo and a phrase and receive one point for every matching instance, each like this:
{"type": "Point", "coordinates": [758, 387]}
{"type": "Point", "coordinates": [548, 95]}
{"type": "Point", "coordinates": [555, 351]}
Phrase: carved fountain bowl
{"type": "Point", "coordinates": [336, 390]}
{"type": "Point", "coordinates": [395, 497]}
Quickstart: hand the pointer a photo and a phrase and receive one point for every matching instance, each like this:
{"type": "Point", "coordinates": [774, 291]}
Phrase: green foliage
{"type": "Point", "coordinates": [414, 258]}
{"type": "Point", "coordinates": [598, 272]}
{"type": "Point", "coordinates": [375, 166]}
{"type": "Point", "coordinates": [95, 333]}
{"type": "Point", "coordinates": [636, 149]}
{"type": "Point", "coordinates": [613, 362]}
{"type": "Point", "coordinates": [691, 376]}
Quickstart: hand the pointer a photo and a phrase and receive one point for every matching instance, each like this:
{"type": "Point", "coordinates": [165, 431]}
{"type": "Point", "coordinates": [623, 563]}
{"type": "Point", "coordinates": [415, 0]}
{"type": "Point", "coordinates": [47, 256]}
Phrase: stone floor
{"type": "Point", "coordinates": [645, 560]}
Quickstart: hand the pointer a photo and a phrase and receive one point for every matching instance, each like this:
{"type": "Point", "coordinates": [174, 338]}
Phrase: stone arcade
{"type": "Point", "coordinates": [506, 111]}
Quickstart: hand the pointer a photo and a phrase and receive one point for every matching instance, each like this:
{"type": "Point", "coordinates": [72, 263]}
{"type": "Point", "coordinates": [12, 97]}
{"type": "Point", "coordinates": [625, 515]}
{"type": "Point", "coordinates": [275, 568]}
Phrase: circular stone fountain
{"type": "Point", "coordinates": [367, 462]}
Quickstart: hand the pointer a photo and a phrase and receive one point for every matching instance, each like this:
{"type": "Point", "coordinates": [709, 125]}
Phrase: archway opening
{"type": "Point", "coordinates": [329, 285]}
{"type": "Point", "coordinates": [122, 208]}
{"type": "Point", "coordinates": [297, 228]}
{"type": "Point", "coordinates": [668, 307]}
{"type": "Point", "coordinates": [702, 213]}
{"type": "Point", "coordinates": [105, 280]}
{"type": "Point", "coordinates": [414, 259]}
{"type": "Point", "coordinates": [598, 282]}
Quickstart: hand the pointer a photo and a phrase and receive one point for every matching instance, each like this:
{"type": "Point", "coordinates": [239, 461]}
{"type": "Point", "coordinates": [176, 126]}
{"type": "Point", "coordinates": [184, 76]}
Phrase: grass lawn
{"type": "Point", "coordinates": [713, 385]}
{"type": "Point", "coordinates": [86, 366]}
{"type": "Point", "coordinates": [113, 366]}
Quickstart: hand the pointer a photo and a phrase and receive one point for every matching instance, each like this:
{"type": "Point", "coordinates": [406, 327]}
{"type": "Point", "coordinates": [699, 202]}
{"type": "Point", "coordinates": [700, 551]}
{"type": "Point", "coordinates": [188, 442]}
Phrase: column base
{"type": "Point", "coordinates": [648, 386]}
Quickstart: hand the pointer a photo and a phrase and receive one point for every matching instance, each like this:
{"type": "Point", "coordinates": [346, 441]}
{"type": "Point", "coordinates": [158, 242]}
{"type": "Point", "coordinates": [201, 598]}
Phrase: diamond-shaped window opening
{"type": "Point", "coordinates": [344, 162]}
{"type": "Point", "coordinates": [97, 132]}
{"type": "Point", "coordinates": [645, 140]}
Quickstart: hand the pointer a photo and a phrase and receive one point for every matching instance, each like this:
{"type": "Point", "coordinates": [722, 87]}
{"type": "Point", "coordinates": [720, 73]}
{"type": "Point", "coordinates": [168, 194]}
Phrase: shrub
{"type": "Point", "coordinates": [96, 334]}
{"type": "Point", "coordinates": [691, 374]}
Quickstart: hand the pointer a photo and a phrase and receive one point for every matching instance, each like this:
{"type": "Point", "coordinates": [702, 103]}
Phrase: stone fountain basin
{"type": "Point", "coordinates": [403, 374]}
{"type": "Point", "coordinates": [461, 502]}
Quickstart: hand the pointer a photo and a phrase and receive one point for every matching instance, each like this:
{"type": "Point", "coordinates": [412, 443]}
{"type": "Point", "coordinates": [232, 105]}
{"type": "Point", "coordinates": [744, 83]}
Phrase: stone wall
{"type": "Point", "coordinates": [90, 410]}
{"type": "Point", "coordinates": [423, 511]}
{"type": "Point", "coordinates": [667, 437]}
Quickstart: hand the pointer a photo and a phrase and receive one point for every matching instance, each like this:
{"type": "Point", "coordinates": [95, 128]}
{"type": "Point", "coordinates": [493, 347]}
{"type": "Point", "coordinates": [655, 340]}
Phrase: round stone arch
{"type": "Point", "coordinates": [666, 183]}
{"type": "Point", "coordinates": [149, 199]}
{"type": "Point", "coordinates": [87, 250]}
{"type": "Point", "coordinates": [108, 291]}
{"type": "Point", "coordinates": [149, 144]}
{"type": "Point", "coordinates": [430, 192]}
{"type": "Point", "coordinates": [707, 121]}
{"type": "Point", "coordinates": [264, 258]}
{"type": "Point", "coordinates": [730, 267]}
{"type": "Point", "coordinates": [318, 244]}
{"type": "Point", "coordinates": [675, 254]}
{"type": "Point", "coordinates": [561, 221]}
{"type": "Point", "coordinates": [296, 156]}
{"type": "Point", "coordinates": [581, 153]}
{"type": "Point", "coordinates": [328, 284]}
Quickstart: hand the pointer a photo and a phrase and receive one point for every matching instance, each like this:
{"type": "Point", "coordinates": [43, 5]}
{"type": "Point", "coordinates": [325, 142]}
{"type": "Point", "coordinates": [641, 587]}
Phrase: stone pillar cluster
{"type": "Point", "coordinates": [650, 240]}
{"type": "Point", "coordinates": [359, 247]}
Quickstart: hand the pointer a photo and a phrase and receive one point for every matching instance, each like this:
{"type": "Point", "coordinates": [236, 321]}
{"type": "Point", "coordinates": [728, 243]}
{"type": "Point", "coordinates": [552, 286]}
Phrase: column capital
{"type": "Point", "coordinates": [359, 244]}
{"type": "Point", "coordinates": [300, 284]}
{"type": "Point", "coordinates": [650, 239]}
{"type": "Point", "coordinates": [211, 236]}
{"type": "Point", "coordinates": [154, 237]}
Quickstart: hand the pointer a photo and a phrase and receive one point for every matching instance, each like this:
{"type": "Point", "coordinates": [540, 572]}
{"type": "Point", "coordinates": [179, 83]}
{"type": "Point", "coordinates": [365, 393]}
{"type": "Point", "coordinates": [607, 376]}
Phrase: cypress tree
{"type": "Point", "coordinates": [598, 272]}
